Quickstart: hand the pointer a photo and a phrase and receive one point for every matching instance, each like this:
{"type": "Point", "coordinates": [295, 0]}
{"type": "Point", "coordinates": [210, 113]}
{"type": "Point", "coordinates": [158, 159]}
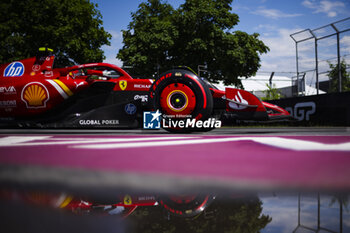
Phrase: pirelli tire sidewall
{"type": "Point", "coordinates": [204, 100]}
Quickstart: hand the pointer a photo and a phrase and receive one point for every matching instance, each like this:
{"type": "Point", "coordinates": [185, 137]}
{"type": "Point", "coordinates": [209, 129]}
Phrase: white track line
{"type": "Point", "coordinates": [49, 140]}
{"type": "Point", "coordinates": [117, 143]}
{"type": "Point", "coordinates": [284, 143]}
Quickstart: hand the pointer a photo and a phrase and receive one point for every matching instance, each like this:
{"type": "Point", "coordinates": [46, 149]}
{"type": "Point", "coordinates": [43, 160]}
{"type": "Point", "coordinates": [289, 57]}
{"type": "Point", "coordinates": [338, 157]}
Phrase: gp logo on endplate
{"type": "Point", "coordinates": [15, 69]}
{"type": "Point", "coordinates": [35, 95]}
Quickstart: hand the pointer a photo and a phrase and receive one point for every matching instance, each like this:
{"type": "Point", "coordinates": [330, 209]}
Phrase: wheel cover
{"type": "Point", "coordinates": [177, 99]}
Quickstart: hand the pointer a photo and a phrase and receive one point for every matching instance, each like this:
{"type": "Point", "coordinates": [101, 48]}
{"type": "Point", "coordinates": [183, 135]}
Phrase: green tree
{"type": "Point", "coordinates": [199, 32]}
{"type": "Point", "coordinates": [205, 37]}
{"type": "Point", "coordinates": [149, 37]}
{"type": "Point", "coordinates": [73, 28]}
{"type": "Point", "coordinates": [334, 77]}
{"type": "Point", "coordinates": [223, 215]}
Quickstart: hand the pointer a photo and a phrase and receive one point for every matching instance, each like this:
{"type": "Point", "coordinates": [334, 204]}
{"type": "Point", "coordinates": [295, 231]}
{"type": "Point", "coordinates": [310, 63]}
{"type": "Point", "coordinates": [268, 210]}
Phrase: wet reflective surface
{"type": "Point", "coordinates": [38, 211]}
{"type": "Point", "coordinates": [224, 181]}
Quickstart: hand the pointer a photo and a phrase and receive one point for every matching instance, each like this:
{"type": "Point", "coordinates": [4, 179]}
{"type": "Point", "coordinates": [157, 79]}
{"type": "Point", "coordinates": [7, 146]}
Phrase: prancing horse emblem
{"type": "Point", "coordinates": [123, 84]}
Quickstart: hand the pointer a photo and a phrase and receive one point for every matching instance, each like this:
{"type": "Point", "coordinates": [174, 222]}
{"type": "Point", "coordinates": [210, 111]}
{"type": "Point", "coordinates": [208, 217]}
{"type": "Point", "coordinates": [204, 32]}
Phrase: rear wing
{"type": "Point", "coordinates": [41, 63]}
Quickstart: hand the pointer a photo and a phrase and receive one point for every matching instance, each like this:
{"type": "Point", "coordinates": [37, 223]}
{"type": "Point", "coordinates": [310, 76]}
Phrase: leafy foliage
{"type": "Point", "coordinates": [199, 32]}
{"type": "Point", "coordinates": [334, 77]}
{"type": "Point", "coordinates": [151, 33]}
{"type": "Point", "coordinates": [73, 28]}
{"type": "Point", "coordinates": [223, 215]}
{"type": "Point", "coordinates": [271, 93]}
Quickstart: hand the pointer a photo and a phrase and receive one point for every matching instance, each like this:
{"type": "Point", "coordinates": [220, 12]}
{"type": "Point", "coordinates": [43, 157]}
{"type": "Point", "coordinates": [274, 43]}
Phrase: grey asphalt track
{"type": "Point", "coordinates": [292, 131]}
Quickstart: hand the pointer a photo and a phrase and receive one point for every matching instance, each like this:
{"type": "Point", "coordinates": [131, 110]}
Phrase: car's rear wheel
{"type": "Point", "coordinates": [185, 205]}
{"type": "Point", "coordinates": [180, 95]}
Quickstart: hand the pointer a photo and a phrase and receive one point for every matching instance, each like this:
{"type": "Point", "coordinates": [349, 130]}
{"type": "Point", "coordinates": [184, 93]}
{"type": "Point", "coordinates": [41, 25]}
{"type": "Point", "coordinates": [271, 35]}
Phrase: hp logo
{"type": "Point", "coordinates": [130, 109]}
{"type": "Point", "coordinates": [15, 69]}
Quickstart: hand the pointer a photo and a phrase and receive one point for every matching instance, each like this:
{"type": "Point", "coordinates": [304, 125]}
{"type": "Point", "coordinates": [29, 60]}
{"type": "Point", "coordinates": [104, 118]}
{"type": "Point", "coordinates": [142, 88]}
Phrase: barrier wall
{"type": "Point", "coordinates": [326, 109]}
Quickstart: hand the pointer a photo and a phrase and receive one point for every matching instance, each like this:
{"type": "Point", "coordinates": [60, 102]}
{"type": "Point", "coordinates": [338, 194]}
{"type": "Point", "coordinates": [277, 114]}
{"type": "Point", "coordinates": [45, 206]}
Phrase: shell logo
{"type": "Point", "coordinates": [35, 95]}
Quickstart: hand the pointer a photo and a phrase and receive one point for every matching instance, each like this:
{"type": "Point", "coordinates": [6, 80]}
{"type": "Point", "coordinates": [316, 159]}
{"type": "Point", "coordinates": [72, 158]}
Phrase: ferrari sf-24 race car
{"type": "Point", "coordinates": [34, 94]}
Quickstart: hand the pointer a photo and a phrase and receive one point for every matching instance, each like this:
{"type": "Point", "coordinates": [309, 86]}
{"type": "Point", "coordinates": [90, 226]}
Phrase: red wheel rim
{"type": "Point", "coordinates": [177, 100]}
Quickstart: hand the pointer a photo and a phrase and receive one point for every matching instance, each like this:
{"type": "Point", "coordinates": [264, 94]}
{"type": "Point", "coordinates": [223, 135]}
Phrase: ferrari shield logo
{"type": "Point", "coordinates": [123, 84]}
{"type": "Point", "coordinates": [127, 200]}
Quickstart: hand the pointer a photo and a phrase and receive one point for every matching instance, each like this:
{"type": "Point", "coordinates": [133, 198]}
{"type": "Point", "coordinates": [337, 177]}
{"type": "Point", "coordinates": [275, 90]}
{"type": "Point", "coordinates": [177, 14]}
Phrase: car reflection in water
{"type": "Point", "coordinates": [33, 211]}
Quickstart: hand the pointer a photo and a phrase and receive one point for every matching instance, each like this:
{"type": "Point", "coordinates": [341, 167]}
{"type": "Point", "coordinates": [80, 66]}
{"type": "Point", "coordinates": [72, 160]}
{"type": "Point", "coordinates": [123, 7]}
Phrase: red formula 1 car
{"type": "Point", "coordinates": [122, 204]}
{"type": "Point", "coordinates": [34, 94]}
